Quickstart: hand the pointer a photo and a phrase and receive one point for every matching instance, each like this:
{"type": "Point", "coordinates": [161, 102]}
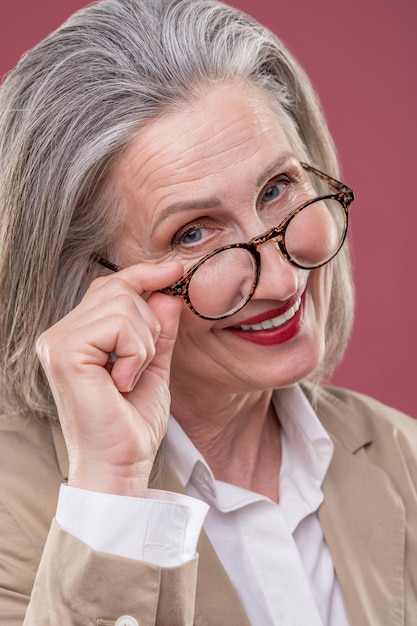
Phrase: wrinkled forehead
{"type": "Point", "coordinates": [223, 122]}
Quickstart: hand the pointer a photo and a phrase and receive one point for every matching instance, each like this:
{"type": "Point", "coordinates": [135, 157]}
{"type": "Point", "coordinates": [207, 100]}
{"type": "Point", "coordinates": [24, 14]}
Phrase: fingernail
{"type": "Point", "coordinates": [134, 382]}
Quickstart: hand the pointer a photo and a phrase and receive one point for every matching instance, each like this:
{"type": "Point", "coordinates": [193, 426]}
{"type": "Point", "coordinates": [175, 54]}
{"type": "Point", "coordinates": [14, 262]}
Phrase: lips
{"type": "Point", "coordinates": [274, 326]}
{"type": "Point", "coordinates": [274, 322]}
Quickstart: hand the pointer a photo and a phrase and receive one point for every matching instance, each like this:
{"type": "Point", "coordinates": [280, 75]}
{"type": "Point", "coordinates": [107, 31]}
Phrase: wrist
{"type": "Point", "coordinates": [122, 480]}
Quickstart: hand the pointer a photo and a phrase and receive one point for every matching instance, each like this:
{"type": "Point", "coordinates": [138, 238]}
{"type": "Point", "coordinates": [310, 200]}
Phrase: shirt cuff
{"type": "Point", "coordinates": [162, 529]}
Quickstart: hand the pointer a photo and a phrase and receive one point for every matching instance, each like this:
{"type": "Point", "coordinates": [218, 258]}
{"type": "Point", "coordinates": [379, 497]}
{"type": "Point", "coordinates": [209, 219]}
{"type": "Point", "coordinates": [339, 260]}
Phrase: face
{"type": "Point", "coordinates": [203, 177]}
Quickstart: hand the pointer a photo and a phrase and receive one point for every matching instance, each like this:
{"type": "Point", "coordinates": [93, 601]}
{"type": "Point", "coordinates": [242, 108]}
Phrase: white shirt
{"type": "Point", "coordinates": [274, 554]}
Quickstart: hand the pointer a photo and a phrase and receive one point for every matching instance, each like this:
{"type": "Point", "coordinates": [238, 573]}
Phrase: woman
{"type": "Point", "coordinates": [173, 261]}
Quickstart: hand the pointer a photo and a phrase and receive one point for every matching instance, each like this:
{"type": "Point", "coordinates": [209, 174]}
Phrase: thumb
{"type": "Point", "coordinates": [168, 311]}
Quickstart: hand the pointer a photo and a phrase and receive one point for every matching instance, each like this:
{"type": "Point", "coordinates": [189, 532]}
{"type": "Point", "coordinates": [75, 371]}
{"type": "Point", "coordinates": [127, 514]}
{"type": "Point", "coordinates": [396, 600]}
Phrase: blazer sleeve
{"type": "Point", "coordinates": [50, 578]}
{"type": "Point", "coordinates": [19, 559]}
{"type": "Point", "coordinates": [77, 586]}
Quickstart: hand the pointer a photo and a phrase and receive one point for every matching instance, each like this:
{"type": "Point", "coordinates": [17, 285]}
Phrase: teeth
{"type": "Point", "coordinates": [275, 322]}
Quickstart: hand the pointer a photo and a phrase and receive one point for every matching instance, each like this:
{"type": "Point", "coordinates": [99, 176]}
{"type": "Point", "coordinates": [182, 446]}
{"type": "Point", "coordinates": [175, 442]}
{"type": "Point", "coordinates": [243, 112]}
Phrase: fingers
{"type": "Point", "coordinates": [143, 277]}
{"type": "Point", "coordinates": [149, 333]}
{"type": "Point", "coordinates": [142, 345]}
{"type": "Point", "coordinates": [168, 311]}
{"type": "Point", "coordinates": [114, 318]}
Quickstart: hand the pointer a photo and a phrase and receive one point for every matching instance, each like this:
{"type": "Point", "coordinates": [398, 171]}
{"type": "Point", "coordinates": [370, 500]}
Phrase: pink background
{"type": "Point", "coordinates": [361, 56]}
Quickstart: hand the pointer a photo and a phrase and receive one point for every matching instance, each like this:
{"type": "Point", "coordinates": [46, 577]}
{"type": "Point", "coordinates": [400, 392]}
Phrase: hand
{"type": "Point", "coordinates": [114, 415]}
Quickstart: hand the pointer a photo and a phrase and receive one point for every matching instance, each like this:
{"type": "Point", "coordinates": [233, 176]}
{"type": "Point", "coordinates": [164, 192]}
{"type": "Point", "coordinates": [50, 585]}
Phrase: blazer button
{"type": "Point", "coordinates": [126, 620]}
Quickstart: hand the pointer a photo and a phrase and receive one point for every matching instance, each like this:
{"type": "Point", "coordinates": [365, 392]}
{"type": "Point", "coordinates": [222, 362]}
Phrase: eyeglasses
{"type": "Point", "coordinates": [312, 233]}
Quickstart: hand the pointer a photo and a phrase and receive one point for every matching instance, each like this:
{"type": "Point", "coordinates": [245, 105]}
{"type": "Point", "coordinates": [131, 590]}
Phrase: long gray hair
{"type": "Point", "coordinates": [68, 110]}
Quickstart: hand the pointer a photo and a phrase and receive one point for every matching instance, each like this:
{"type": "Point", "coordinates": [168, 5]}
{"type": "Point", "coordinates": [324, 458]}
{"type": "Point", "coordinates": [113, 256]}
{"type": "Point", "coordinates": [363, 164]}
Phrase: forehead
{"type": "Point", "coordinates": [222, 121]}
{"type": "Point", "coordinates": [229, 126]}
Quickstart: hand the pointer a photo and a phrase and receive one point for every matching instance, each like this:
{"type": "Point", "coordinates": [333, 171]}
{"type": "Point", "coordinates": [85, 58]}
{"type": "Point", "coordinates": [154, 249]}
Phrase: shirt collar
{"type": "Point", "coordinates": [306, 453]}
{"type": "Point", "coordinates": [182, 454]}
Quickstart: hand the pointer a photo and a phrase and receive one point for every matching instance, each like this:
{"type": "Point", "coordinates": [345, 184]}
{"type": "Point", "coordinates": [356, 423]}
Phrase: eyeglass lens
{"type": "Point", "coordinates": [223, 283]}
{"type": "Point", "coordinates": [314, 235]}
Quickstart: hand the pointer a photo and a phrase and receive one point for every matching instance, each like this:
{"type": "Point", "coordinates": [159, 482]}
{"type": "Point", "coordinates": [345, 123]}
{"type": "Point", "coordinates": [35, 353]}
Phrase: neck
{"type": "Point", "coordinates": [239, 436]}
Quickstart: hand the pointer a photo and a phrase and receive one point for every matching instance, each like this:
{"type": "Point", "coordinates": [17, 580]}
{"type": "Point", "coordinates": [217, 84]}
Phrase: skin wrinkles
{"type": "Point", "coordinates": [212, 202]}
{"type": "Point", "coordinates": [158, 139]}
{"type": "Point", "coordinates": [223, 148]}
{"type": "Point", "coordinates": [215, 440]}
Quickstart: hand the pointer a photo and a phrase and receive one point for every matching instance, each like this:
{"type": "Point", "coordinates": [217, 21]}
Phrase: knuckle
{"type": "Point", "coordinates": [125, 302]}
{"type": "Point", "coordinates": [46, 343]}
{"type": "Point", "coordinates": [146, 349]}
{"type": "Point", "coordinates": [107, 286]}
{"type": "Point", "coordinates": [40, 345]}
{"type": "Point", "coordinates": [155, 327]}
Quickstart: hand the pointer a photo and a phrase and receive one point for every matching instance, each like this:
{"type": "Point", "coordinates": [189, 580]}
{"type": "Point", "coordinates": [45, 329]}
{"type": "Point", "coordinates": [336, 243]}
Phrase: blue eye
{"type": "Point", "coordinates": [194, 235]}
{"type": "Point", "coordinates": [274, 191]}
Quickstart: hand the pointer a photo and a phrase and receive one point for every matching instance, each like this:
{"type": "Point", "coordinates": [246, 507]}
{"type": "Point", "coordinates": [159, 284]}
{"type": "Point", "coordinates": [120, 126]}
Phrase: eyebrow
{"type": "Point", "coordinates": [211, 202]}
{"type": "Point", "coordinates": [284, 162]}
{"type": "Point", "coordinates": [177, 207]}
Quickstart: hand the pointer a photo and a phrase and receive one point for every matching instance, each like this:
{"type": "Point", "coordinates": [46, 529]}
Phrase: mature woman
{"type": "Point", "coordinates": [173, 271]}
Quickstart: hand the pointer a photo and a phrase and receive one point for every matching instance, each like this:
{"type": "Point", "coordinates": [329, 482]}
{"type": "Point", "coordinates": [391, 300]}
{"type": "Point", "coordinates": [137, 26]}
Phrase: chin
{"type": "Point", "coordinates": [294, 363]}
{"type": "Point", "coordinates": [294, 373]}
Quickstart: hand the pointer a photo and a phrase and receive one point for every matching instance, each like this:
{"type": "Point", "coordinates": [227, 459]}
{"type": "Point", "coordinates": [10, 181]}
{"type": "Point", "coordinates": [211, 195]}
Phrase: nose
{"type": "Point", "coordinates": [278, 279]}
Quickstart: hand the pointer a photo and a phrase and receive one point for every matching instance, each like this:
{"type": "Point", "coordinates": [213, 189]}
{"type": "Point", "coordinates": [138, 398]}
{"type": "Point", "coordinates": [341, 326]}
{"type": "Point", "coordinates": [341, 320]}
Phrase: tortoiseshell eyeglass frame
{"type": "Point", "coordinates": [343, 194]}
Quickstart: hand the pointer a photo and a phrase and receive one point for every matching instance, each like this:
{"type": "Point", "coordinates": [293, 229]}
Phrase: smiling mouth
{"type": "Point", "coordinates": [274, 322]}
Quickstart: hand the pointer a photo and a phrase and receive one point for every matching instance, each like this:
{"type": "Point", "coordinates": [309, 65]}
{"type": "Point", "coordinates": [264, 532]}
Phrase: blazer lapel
{"type": "Point", "coordinates": [363, 521]}
{"type": "Point", "coordinates": [216, 598]}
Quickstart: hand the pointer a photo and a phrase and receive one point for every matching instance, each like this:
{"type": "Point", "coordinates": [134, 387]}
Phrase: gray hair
{"type": "Point", "coordinates": [67, 111]}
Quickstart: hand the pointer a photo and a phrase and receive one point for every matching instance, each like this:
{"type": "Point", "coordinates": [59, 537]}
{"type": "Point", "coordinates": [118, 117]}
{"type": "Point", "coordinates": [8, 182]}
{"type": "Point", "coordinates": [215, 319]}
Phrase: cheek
{"type": "Point", "coordinates": [319, 287]}
{"type": "Point", "coordinates": [193, 333]}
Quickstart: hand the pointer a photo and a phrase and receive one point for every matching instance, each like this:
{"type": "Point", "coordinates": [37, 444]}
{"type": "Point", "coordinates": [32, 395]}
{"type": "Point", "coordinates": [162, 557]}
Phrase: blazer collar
{"type": "Point", "coordinates": [363, 519]}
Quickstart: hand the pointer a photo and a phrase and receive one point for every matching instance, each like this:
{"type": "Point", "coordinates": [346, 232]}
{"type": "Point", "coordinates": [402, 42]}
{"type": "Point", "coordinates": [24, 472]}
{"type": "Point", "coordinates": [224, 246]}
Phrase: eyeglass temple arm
{"type": "Point", "coordinates": [346, 192]}
{"type": "Point", "coordinates": [172, 290]}
{"type": "Point", "coordinates": [105, 263]}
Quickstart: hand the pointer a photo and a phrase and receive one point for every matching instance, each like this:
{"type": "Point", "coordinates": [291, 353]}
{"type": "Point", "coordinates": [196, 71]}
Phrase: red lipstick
{"type": "Point", "coordinates": [272, 336]}
{"type": "Point", "coordinates": [267, 315]}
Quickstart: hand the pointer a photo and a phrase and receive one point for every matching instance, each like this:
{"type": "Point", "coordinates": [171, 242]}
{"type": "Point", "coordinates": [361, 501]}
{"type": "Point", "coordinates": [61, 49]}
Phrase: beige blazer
{"type": "Point", "coordinates": [369, 519]}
